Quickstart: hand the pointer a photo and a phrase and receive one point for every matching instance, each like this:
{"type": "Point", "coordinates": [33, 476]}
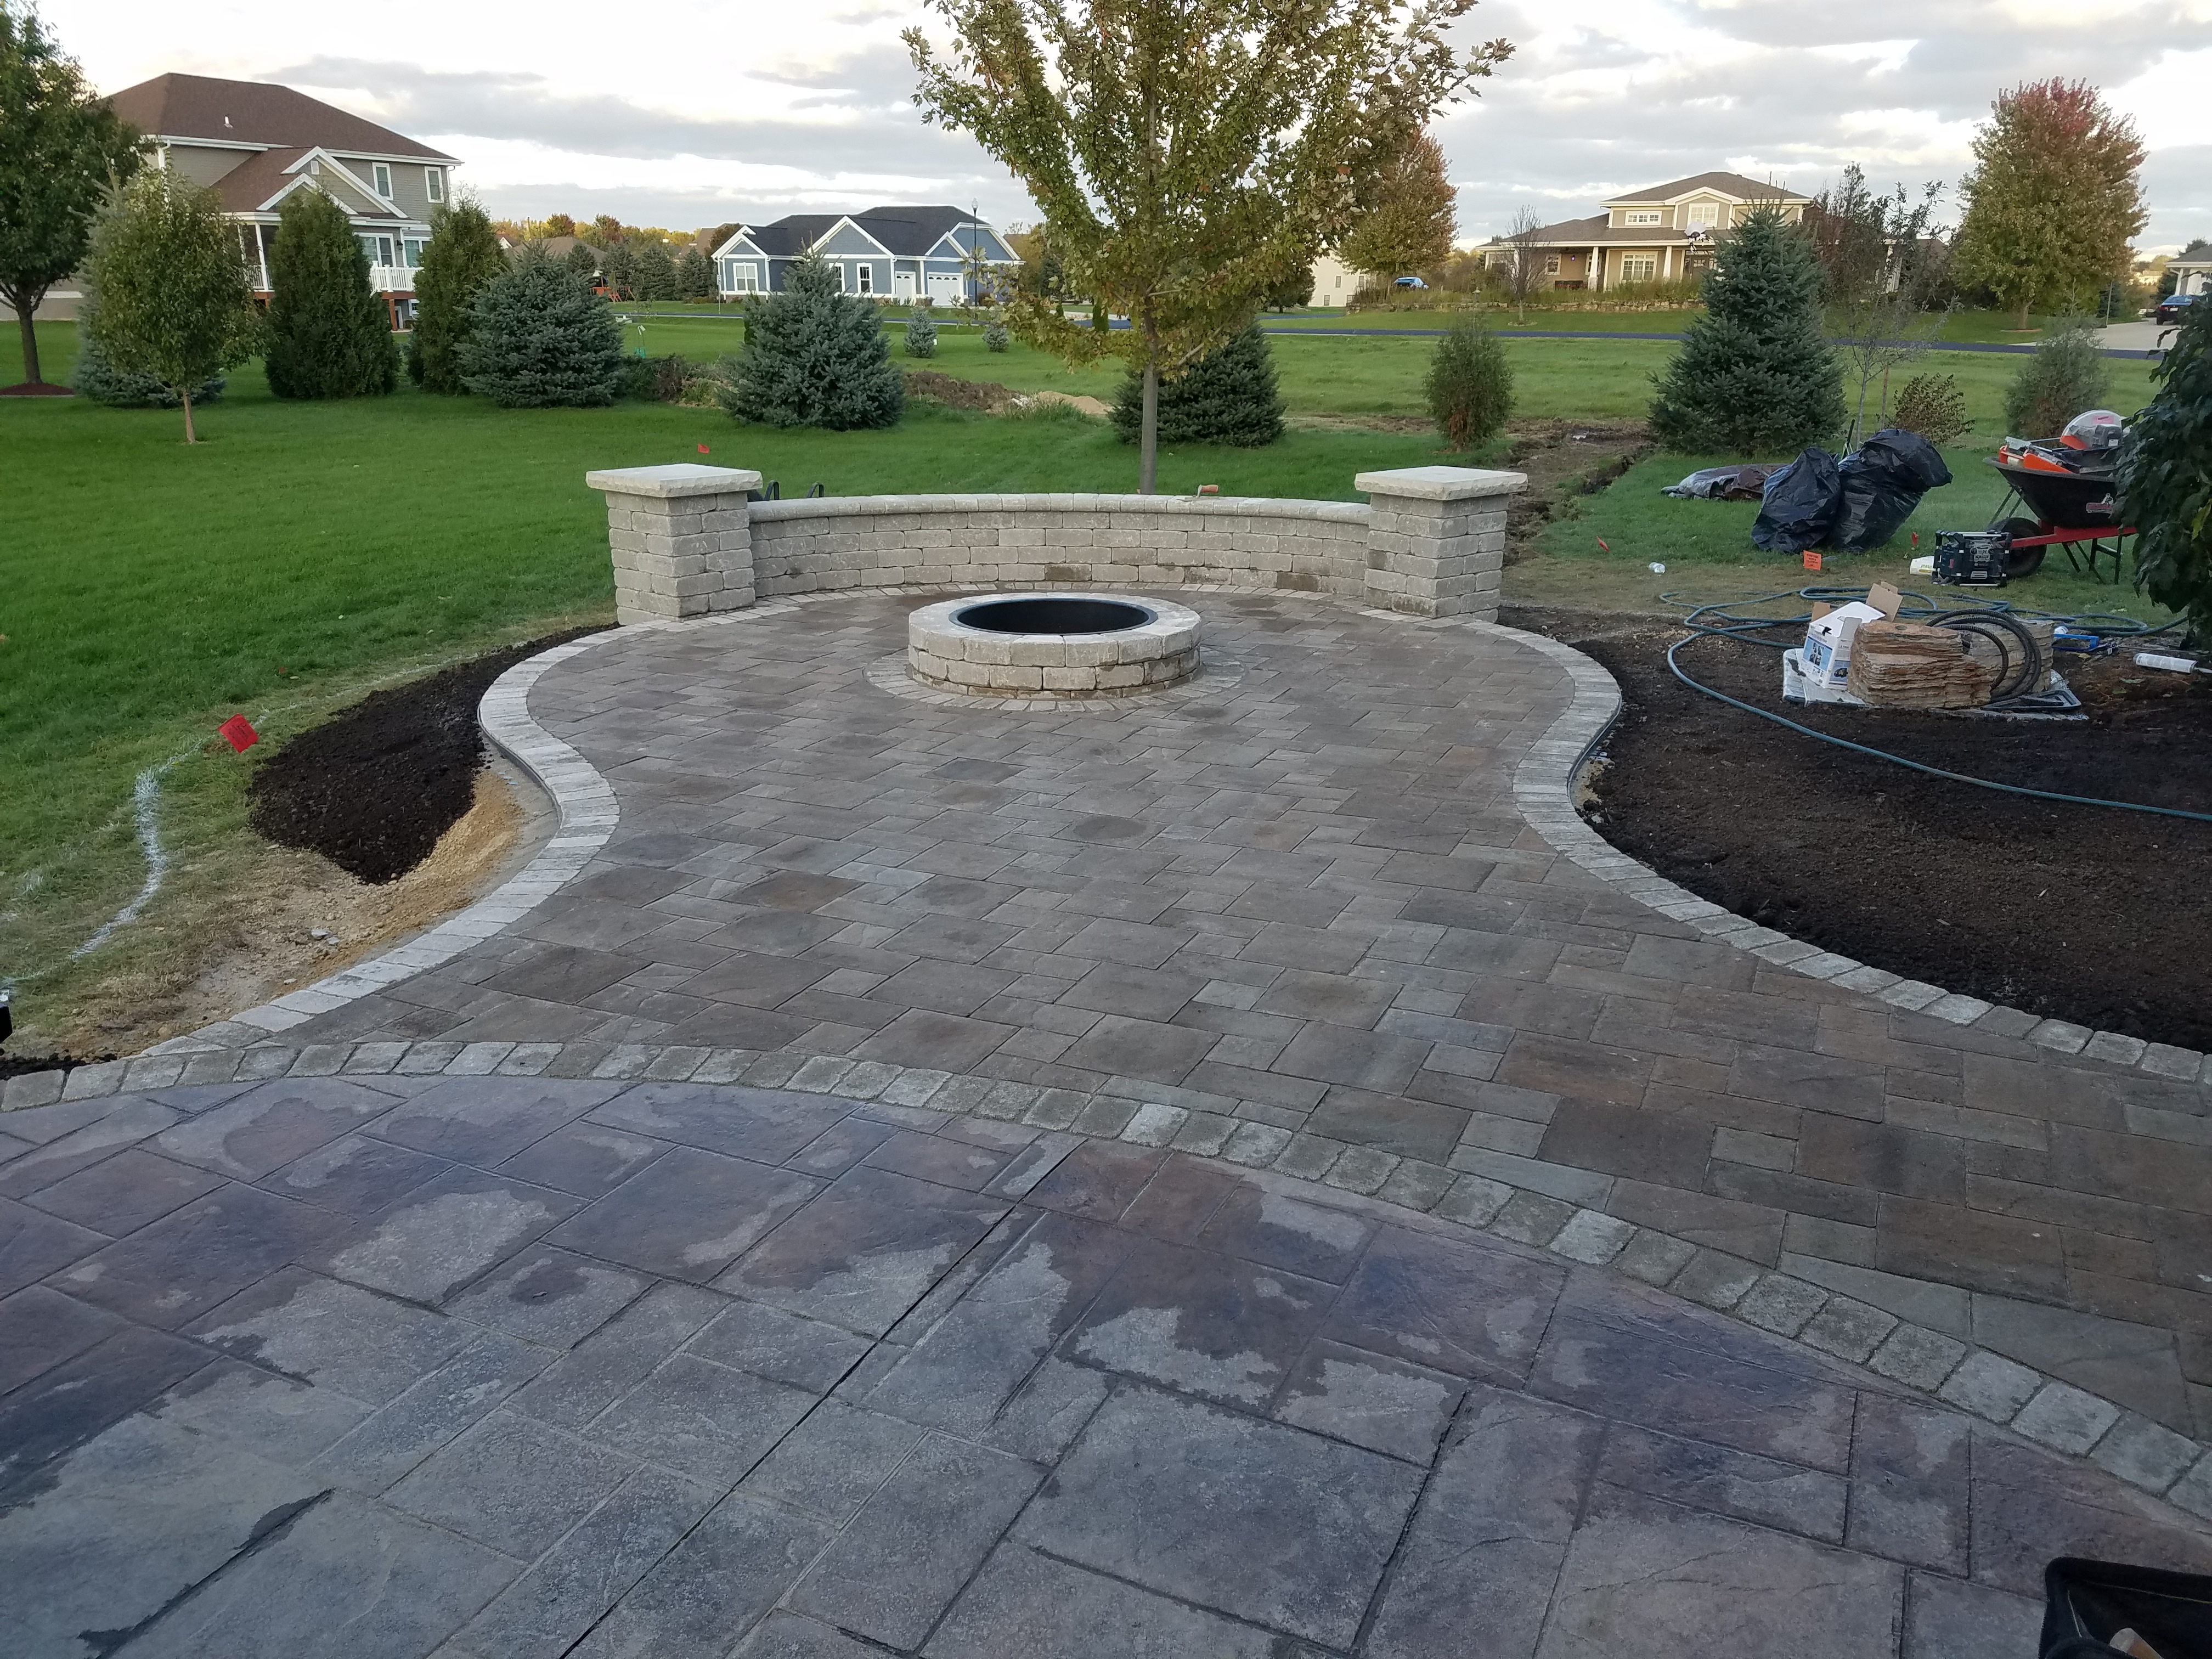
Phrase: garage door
{"type": "Point", "coordinates": [945, 290]}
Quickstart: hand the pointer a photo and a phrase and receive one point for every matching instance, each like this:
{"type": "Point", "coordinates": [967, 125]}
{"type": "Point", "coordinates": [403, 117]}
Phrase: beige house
{"type": "Point", "coordinates": [2191, 270]}
{"type": "Point", "coordinates": [257, 144]}
{"type": "Point", "coordinates": [1661, 235]}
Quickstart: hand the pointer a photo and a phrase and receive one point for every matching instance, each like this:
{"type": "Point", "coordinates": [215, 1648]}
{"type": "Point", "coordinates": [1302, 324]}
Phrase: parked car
{"type": "Point", "coordinates": [1408, 281]}
{"type": "Point", "coordinates": [2173, 307]}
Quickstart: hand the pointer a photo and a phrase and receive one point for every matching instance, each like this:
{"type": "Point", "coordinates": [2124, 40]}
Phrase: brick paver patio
{"type": "Point", "coordinates": [482, 1366]}
{"type": "Point", "coordinates": [487, 1367]}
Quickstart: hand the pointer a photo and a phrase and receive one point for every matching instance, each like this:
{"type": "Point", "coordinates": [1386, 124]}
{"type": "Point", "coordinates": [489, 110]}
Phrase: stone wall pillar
{"type": "Point", "coordinates": [681, 537]}
{"type": "Point", "coordinates": [1435, 538]}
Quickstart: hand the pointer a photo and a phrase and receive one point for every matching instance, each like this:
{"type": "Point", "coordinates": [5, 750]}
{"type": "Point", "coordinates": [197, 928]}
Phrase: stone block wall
{"type": "Point", "coordinates": [1120, 541]}
{"type": "Point", "coordinates": [686, 542]}
{"type": "Point", "coordinates": [681, 537]}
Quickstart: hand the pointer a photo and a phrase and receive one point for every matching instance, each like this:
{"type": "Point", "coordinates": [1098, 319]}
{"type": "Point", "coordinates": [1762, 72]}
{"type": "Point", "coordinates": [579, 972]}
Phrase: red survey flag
{"type": "Point", "coordinates": [1812, 561]}
{"type": "Point", "coordinates": [702, 449]}
{"type": "Point", "coordinates": [238, 732]}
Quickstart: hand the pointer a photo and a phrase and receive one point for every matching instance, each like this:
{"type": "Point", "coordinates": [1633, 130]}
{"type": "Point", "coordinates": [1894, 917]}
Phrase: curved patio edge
{"type": "Point", "coordinates": [2037, 1405]}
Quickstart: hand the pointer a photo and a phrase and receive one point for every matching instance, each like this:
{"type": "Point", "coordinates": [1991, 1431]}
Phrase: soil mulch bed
{"type": "Point", "coordinates": [1562, 460]}
{"type": "Point", "coordinates": [373, 788]}
{"type": "Point", "coordinates": [23, 1065]}
{"type": "Point", "coordinates": [2075, 913]}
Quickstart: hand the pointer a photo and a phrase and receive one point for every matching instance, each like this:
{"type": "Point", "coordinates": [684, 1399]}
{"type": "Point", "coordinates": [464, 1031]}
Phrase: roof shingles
{"type": "Point", "coordinates": [256, 112]}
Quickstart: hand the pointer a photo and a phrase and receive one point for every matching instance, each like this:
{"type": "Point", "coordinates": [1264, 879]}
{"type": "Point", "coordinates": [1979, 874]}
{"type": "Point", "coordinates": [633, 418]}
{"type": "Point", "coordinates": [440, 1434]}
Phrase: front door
{"type": "Point", "coordinates": [901, 285]}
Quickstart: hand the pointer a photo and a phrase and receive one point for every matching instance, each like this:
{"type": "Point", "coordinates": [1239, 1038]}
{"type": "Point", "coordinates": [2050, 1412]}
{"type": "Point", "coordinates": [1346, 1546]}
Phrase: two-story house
{"type": "Point", "coordinates": [1661, 235]}
{"type": "Point", "coordinates": [886, 252]}
{"type": "Point", "coordinates": [257, 144]}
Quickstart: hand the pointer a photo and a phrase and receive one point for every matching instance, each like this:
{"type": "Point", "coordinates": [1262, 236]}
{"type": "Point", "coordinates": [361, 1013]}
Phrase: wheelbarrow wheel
{"type": "Point", "coordinates": [2022, 561]}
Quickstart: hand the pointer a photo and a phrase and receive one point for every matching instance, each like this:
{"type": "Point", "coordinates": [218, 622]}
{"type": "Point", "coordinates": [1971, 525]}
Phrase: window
{"type": "Point", "coordinates": [433, 182]}
{"type": "Point", "coordinates": [411, 250]}
{"type": "Point", "coordinates": [1551, 264]}
{"type": "Point", "coordinates": [868, 279]}
{"type": "Point", "coordinates": [383, 180]}
{"type": "Point", "coordinates": [1704, 213]}
{"type": "Point", "coordinates": [1643, 216]}
{"type": "Point", "coordinates": [1639, 267]}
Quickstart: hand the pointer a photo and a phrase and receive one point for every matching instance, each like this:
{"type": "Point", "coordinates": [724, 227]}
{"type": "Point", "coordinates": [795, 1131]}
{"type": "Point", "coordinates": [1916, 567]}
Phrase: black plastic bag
{"type": "Point", "coordinates": [1883, 480]}
{"type": "Point", "coordinates": [2086, 1603]}
{"type": "Point", "coordinates": [1799, 504]}
{"type": "Point", "coordinates": [1742, 483]}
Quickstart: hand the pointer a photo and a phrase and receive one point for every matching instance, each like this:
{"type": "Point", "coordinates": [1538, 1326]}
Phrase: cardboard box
{"type": "Point", "coordinates": [1826, 656]}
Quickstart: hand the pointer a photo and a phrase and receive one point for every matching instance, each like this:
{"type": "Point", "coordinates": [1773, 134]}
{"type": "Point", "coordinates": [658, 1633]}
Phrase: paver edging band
{"type": "Point", "coordinates": [2044, 1408]}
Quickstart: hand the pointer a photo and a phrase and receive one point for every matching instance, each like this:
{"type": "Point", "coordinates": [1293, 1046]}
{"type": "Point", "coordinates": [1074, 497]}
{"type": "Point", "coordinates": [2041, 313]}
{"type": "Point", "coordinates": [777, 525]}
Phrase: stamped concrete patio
{"type": "Point", "coordinates": [379, 1363]}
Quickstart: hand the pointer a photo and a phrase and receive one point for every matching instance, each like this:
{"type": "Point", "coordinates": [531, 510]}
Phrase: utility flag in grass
{"type": "Point", "coordinates": [702, 449]}
{"type": "Point", "coordinates": [1812, 560]}
{"type": "Point", "coordinates": [238, 732]}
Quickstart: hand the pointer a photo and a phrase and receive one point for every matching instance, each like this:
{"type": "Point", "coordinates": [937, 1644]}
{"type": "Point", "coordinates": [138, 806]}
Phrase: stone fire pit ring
{"type": "Point", "coordinates": [1052, 644]}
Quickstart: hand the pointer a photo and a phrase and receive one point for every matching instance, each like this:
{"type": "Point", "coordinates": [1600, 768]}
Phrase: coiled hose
{"type": "Point", "coordinates": [1997, 616]}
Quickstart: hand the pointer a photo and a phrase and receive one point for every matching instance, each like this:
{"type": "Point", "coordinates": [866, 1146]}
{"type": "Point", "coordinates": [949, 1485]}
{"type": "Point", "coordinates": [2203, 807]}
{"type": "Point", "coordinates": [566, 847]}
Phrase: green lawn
{"type": "Point", "coordinates": [1603, 552]}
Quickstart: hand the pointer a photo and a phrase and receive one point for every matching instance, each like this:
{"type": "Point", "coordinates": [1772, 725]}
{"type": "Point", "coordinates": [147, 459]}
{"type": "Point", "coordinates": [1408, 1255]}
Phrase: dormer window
{"type": "Point", "coordinates": [1643, 216]}
{"type": "Point", "coordinates": [433, 182]}
{"type": "Point", "coordinates": [1704, 213]}
{"type": "Point", "coordinates": [383, 180]}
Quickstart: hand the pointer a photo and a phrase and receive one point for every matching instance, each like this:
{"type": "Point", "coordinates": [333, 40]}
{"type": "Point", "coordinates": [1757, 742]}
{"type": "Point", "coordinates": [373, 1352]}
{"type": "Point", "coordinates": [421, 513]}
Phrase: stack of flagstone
{"type": "Point", "coordinates": [1897, 665]}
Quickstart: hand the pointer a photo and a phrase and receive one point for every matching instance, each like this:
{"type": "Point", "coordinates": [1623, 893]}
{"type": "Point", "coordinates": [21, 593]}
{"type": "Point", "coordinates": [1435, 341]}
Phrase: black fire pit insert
{"type": "Point", "coordinates": [1053, 616]}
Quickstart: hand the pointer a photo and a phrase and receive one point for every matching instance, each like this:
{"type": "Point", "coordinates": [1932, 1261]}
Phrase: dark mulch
{"type": "Point", "coordinates": [373, 787]}
{"type": "Point", "coordinates": [2076, 913]}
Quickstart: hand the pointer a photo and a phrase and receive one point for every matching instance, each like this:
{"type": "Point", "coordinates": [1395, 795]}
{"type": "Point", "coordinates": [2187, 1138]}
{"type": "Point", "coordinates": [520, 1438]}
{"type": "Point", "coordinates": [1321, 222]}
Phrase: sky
{"type": "Point", "coordinates": [699, 114]}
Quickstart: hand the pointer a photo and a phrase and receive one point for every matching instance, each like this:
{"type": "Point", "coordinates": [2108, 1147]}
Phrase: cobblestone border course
{"type": "Point", "coordinates": [2040, 1407]}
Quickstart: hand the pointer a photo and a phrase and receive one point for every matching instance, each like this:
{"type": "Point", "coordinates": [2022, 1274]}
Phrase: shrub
{"type": "Point", "coordinates": [330, 332]}
{"type": "Point", "coordinates": [920, 335]}
{"type": "Point", "coordinates": [814, 357]}
{"type": "Point", "coordinates": [539, 339]}
{"type": "Point", "coordinates": [1932, 406]}
{"type": "Point", "coordinates": [1469, 384]}
{"type": "Point", "coordinates": [2166, 478]}
{"type": "Point", "coordinates": [95, 377]}
{"type": "Point", "coordinates": [1755, 375]}
{"type": "Point", "coordinates": [996, 336]}
{"type": "Point", "coordinates": [657, 379]}
{"type": "Point", "coordinates": [1227, 397]}
{"type": "Point", "coordinates": [463, 256]}
{"type": "Point", "coordinates": [2066, 375]}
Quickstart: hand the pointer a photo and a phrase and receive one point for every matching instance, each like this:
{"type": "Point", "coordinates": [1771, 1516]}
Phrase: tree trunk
{"type": "Point", "coordinates": [1148, 432]}
{"type": "Point", "coordinates": [23, 314]}
{"type": "Point", "coordinates": [191, 437]}
{"type": "Point", "coordinates": [2023, 313]}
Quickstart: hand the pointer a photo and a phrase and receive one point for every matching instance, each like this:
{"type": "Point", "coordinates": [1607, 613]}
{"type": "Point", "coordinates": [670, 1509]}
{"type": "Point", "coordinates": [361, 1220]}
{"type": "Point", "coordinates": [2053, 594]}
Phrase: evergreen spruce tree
{"type": "Point", "coordinates": [1226, 397]}
{"type": "Point", "coordinates": [96, 377]}
{"type": "Point", "coordinates": [1469, 384]}
{"type": "Point", "coordinates": [814, 357]}
{"type": "Point", "coordinates": [921, 335]}
{"type": "Point", "coordinates": [655, 277]}
{"type": "Point", "coordinates": [996, 336]}
{"type": "Point", "coordinates": [695, 274]}
{"type": "Point", "coordinates": [330, 332]}
{"type": "Point", "coordinates": [463, 256]}
{"type": "Point", "coordinates": [2166, 477]}
{"type": "Point", "coordinates": [618, 270]}
{"type": "Point", "coordinates": [539, 339]}
{"type": "Point", "coordinates": [584, 260]}
{"type": "Point", "coordinates": [1755, 375]}
{"type": "Point", "coordinates": [2066, 375]}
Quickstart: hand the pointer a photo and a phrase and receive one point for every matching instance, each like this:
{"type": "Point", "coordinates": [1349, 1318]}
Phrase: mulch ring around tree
{"type": "Point", "coordinates": [373, 788]}
{"type": "Point", "coordinates": [2084, 913]}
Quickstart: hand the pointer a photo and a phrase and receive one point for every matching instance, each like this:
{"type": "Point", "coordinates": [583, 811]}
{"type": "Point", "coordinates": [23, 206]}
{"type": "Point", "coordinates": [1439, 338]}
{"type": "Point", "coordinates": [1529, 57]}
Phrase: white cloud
{"type": "Point", "coordinates": [699, 112]}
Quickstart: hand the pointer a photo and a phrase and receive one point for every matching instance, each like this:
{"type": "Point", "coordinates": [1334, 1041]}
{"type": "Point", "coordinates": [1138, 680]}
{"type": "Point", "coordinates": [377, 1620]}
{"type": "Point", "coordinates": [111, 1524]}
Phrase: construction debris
{"type": "Point", "coordinates": [1898, 665]}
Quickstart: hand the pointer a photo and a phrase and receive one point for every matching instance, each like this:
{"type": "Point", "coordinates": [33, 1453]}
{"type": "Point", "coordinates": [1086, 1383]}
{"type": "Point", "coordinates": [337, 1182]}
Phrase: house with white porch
{"type": "Point", "coordinates": [256, 144]}
{"type": "Point", "coordinates": [902, 253]}
{"type": "Point", "coordinates": [1661, 234]}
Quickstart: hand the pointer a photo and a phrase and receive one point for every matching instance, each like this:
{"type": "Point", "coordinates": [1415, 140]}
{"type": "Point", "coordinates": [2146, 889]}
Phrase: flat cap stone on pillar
{"type": "Point", "coordinates": [1435, 538]}
{"type": "Point", "coordinates": [680, 539]}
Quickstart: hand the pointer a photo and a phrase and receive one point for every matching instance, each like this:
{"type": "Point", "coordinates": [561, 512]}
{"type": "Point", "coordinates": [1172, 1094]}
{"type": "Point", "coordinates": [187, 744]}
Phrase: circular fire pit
{"type": "Point", "coordinates": [1052, 645]}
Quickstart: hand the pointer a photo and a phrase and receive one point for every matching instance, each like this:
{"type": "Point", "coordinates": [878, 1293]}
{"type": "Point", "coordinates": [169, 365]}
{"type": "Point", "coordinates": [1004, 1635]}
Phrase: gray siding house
{"type": "Point", "coordinates": [257, 144]}
{"type": "Point", "coordinates": [887, 253]}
